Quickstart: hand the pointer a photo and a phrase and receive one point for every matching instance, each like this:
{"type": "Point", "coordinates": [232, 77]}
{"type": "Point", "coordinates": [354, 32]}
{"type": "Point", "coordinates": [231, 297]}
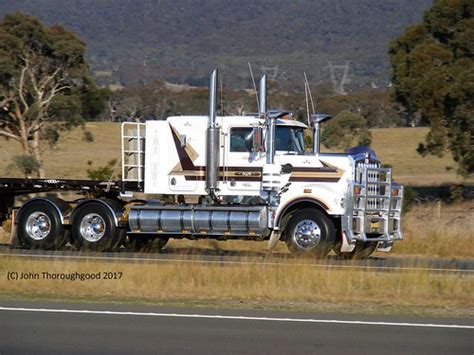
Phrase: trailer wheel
{"type": "Point", "coordinates": [94, 229]}
{"type": "Point", "coordinates": [39, 226]}
{"type": "Point", "coordinates": [362, 250]}
{"type": "Point", "coordinates": [310, 232]}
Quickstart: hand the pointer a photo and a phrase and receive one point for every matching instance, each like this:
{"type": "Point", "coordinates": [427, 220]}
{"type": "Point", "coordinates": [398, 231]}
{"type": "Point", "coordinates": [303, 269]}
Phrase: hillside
{"type": "Point", "coordinates": [135, 42]}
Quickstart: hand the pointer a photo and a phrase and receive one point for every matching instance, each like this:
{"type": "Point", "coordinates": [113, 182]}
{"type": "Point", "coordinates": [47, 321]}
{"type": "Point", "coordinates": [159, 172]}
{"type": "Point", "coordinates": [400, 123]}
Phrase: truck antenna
{"type": "Point", "coordinates": [222, 97]}
{"type": "Point", "coordinates": [309, 91]}
{"type": "Point", "coordinates": [254, 86]}
{"type": "Point", "coordinates": [307, 103]}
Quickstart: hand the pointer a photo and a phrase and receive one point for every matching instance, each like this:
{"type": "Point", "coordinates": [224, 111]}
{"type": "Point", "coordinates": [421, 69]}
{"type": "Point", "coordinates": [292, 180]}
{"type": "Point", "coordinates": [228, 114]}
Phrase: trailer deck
{"type": "Point", "coordinates": [12, 187]}
{"type": "Point", "coordinates": [18, 186]}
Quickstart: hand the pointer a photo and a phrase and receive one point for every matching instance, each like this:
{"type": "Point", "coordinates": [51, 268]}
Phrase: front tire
{"type": "Point", "coordinates": [40, 227]}
{"type": "Point", "coordinates": [94, 229]}
{"type": "Point", "coordinates": [310, 232]}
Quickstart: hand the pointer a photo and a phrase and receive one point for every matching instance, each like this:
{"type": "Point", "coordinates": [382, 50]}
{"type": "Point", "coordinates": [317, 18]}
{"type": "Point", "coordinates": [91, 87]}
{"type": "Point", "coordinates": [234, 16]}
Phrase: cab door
{"type": "Point", "coordinates": [243, 164]}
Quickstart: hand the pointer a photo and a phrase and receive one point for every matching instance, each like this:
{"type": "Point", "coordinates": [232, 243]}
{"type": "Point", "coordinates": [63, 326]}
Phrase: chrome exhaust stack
{"type": "Point", "coordinates": [270, 121]}
{"type": "Point", "coordinates": [270, 171]}
{"type": "Point", "coordinates": [262, 91]}
{"type": "Point", "coordinates": [213, 144]}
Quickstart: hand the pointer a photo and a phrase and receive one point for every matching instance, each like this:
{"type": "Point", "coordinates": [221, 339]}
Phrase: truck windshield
{"type": "Point", "coordinates": [290, 139]}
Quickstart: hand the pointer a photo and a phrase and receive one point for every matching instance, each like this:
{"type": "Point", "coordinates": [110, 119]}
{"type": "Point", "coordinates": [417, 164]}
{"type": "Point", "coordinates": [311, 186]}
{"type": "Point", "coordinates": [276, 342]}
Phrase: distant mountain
{"type": "Point", "coordinates": [132, 42]}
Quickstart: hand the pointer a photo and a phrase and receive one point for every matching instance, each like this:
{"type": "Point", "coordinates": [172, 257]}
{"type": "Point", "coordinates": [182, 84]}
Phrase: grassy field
{"type": "Point", "coordinates": [395, 146]}
{"type": "Point", "coordinates": [438, 230]}
{"type": "Point", "coordinates": [69, 158]}
{"type": "Point", "coordinates": [287, 286]}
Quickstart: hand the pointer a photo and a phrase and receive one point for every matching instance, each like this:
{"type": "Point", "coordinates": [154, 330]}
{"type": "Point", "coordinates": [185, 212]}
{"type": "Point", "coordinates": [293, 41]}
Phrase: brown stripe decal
{"type": "Point", "coordinates": [184, 158]}
{"type": "Point", "coordinates": [324, 169]}
{"type": "Point", "coordinates": [221, 178]}
{"type": "Point", "coordinates": [311, 179]}
{"type": "Point", "coordinates": [191, 172]}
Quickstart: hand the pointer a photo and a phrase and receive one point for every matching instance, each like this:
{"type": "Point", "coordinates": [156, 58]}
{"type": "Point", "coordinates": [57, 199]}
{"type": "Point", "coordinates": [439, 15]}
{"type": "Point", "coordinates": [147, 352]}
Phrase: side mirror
{"type": "Point", "coordinates": [319, 118]}
{"type": "Point", "coordinates": [316, 120]}
{"type": "Point", "coordinates": [257, 140]}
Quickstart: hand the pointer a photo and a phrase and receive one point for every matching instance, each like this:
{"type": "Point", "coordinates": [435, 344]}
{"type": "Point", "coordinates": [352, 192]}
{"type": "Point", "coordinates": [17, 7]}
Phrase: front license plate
{"type": "Point", "coordinates": [375, 226]}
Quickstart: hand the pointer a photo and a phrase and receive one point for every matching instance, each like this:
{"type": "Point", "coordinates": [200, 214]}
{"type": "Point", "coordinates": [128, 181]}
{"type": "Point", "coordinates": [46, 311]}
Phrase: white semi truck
{"type": "Point", "coordinates": [233, 177]}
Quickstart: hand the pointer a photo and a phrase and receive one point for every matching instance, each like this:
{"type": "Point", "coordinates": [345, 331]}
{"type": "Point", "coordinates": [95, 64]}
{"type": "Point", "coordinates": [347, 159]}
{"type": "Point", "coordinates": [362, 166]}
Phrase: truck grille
{"type": "Point", "coordinates": [374, 210]}
{"type": "Point", "coordinates": [375, 187]}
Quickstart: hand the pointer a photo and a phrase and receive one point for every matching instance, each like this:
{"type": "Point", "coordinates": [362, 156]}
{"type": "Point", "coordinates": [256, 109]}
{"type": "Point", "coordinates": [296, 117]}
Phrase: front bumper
{"type": "Point", "coordinates": [373, 208]}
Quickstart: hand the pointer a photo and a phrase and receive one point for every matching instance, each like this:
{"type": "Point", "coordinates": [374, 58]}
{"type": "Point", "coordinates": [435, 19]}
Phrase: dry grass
{"type": "Point", "coordinates": [258, 284]}
{"type": "Point", "coordinates": [395, 146]}
{"type": "Point", "coordinates": [69, 159]}
{"type": "Point", "coordinates": [439, 230]}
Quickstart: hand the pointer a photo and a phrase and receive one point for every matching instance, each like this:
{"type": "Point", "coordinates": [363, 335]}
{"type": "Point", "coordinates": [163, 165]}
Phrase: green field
{"type": "Point", "coordinates": [395, 146]}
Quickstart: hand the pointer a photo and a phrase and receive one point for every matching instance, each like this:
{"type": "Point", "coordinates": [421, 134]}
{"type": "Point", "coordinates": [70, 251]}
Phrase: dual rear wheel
{"type": "Point", "coordinates": [40, 226]}
{"type": "Point", "coordinates": [93, 227]}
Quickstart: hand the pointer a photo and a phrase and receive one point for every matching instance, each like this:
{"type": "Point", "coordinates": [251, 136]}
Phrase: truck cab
{"type": "Point", "coordinates": [351, 195]}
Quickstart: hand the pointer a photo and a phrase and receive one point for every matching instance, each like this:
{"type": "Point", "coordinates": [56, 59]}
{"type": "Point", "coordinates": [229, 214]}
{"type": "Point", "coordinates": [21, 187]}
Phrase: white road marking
{"type": "Point", "coordinates": [230, 262]}
{"type": "Point", "coordinates": [207, 316]}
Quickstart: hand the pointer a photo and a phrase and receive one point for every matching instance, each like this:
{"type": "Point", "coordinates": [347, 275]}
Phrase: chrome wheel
{"type": "Point", "coordinates": [92, 227]}
{"type": "Point", "coordinates": [38, 225]}
{"type": "Point", "coordinates": [306, 234]}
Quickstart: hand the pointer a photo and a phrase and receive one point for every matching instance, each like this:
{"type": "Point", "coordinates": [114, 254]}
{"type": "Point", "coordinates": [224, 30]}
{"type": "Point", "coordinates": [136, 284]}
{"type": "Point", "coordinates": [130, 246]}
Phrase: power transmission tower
{"type": "Point", "coordinates": [271, 71]}
{"type": "Point", "coordinates": [342, 74]}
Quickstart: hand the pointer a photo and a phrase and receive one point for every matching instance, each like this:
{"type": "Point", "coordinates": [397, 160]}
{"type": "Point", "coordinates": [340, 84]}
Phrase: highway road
{"type": "Point", "coordinates": [55, 328]}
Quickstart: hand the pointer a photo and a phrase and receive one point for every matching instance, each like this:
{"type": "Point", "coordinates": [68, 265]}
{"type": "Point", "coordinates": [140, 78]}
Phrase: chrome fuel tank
{"type": "Point", "coordinates": [199, 220]}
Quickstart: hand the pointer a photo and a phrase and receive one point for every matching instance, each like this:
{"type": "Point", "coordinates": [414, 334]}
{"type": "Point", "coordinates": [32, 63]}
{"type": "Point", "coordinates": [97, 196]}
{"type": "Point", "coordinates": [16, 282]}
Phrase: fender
{"type": "Point", "coordinates": [293, 203]}
{"type": "Point", "coordinates": [113, 206]}
{"type": "Point", "coordinates": [62, 207]}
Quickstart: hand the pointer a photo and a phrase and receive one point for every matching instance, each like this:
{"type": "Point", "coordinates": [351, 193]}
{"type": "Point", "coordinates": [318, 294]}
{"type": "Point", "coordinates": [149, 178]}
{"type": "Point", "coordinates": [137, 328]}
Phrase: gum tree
{"type": "Point", "coordinates": [44, 84]}
{"type": "Point", "coordinates": [433, 76]}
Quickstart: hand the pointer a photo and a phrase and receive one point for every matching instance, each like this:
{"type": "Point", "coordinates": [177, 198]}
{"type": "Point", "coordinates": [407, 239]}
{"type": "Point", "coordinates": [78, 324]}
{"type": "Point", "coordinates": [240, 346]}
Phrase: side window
{"type": "Point", "coordinates": [241, 139]}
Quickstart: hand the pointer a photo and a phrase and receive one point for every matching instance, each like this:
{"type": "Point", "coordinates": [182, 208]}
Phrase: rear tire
{"type": "Point", "coordinates": [40, 227]}
{"type": "Point", "coordinates": [310, 232]}
{"type": "Point", "coordinates": [94, 229]}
